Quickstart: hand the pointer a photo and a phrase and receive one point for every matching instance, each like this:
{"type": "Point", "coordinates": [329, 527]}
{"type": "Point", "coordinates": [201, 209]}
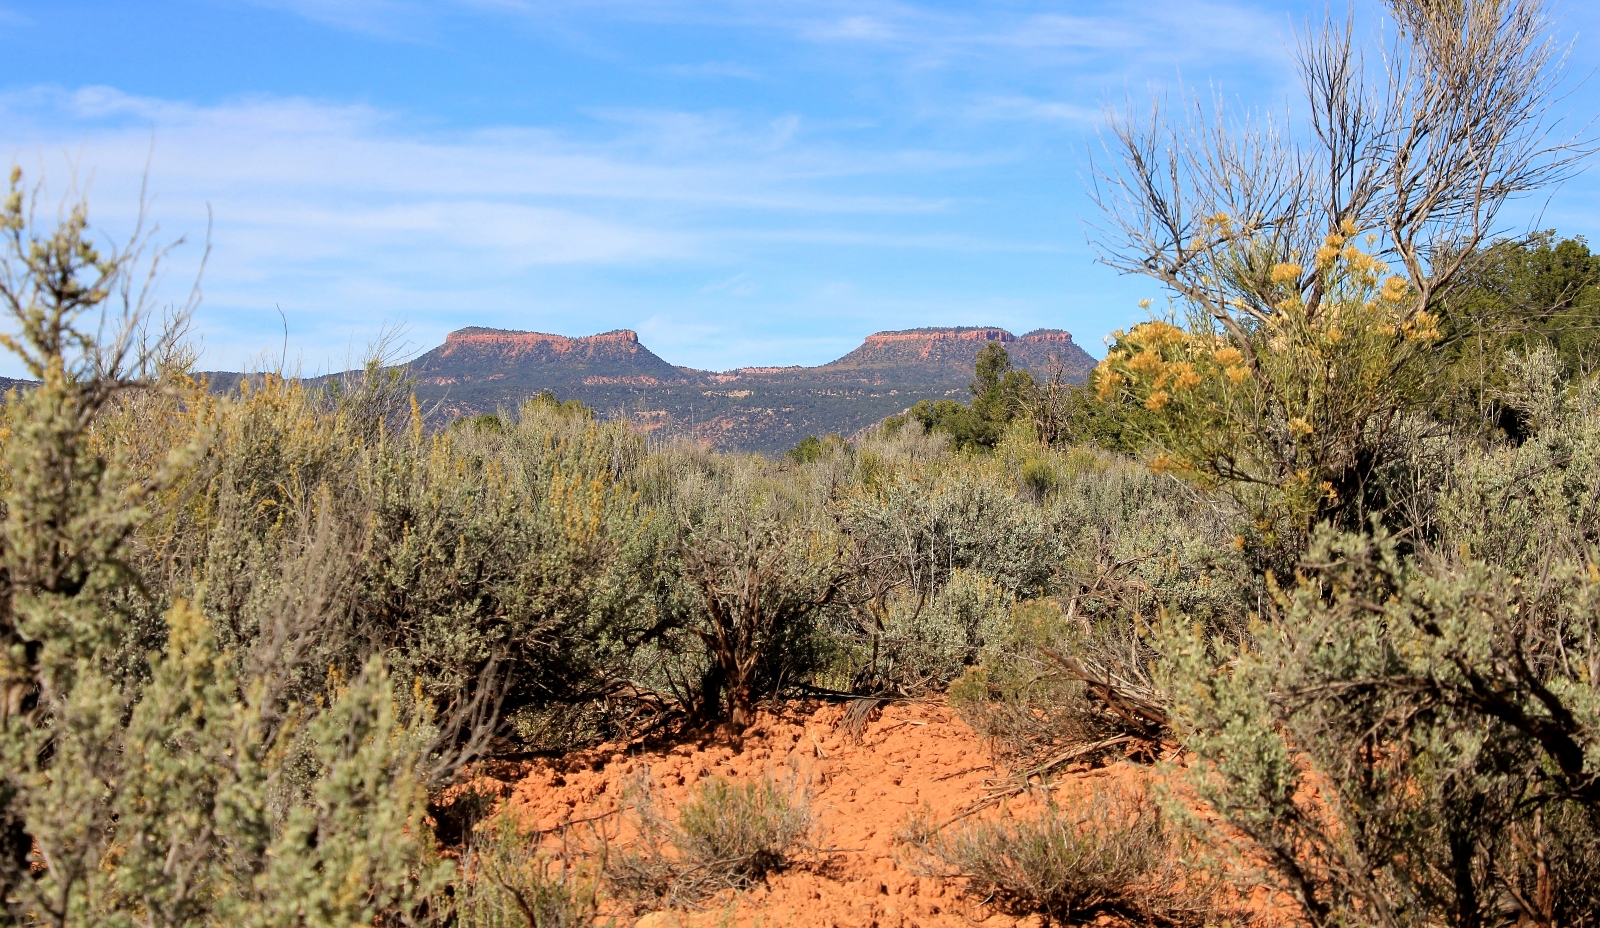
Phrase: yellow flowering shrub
{"type": "Point", "coordinates": [1282, 417]}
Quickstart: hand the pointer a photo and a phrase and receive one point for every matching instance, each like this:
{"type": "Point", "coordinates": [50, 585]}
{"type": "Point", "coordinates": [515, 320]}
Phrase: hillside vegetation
{"type": "Point", "coordinates": [1324, 544]}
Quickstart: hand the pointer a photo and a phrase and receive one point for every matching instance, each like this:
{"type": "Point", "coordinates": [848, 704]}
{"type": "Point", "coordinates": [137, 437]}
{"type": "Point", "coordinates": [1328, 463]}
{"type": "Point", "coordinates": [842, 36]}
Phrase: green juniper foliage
{"type": "Point", "coordinates": [999, 395]}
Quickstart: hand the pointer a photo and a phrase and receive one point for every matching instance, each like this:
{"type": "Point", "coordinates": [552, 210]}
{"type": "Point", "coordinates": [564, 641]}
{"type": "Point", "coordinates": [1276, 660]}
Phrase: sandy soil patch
{"type": "Point", "coordinates": [911, 757]}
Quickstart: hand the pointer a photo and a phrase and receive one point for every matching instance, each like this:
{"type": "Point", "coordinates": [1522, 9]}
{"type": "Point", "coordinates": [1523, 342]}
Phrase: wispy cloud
{"type": "Point", "coordinates": [930, 241]}
{"type": "Point", "coordinates": [714, 69]}
{"type": "Point", "coordinates": [740, 284]}
{"type": "Point", "coordinates": [1033, 109]}
{"type": "Point", "coordinates": [1173, 30]}
{"type": "Point", "coordinates": [383, 19]}
{"type": "Point", "coordinates": [1176, 30]}
{"type": "Point", "coordinates": [347, 152]}
{"type": "Point", "coordinates": [335, 210]}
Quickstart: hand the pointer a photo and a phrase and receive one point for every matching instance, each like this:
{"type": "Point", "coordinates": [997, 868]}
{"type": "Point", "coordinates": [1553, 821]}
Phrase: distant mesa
{"type": "Point", "coordinates": [617, 357]}
{"type": "Point", "coordinates": [958, 346]}
{"type": "Point", "coordinates": [476, 353]}
{"type": "Point", "coordinates": [512, 340]}
{"type": "Point", "coordinates": [765, 409]}
{"type": "Point", "coordinates": [1047, 336]}
{"type": "Point", "coordinates": [768, 409]}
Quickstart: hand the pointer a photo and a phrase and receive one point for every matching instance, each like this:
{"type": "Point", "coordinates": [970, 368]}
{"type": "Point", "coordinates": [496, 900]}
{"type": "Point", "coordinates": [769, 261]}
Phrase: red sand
{"type": "Point", "coordinates": [910, 758]}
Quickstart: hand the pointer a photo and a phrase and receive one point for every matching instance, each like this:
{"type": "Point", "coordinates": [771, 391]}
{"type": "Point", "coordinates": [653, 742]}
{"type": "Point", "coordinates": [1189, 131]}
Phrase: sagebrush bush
{"type": "Point", "coordinates": [1110, 855]}
{"type": "Point", "coordinates": [320, 527]}
{"type": "Point", "coordinates": [926, 643]}
{"type": "Point", "coordinates": [1456, 770]}
{"type": "Point", "coordinates": [728, 835]}
{"type": "Point", "coordinates": [911, 526]}
{"type": "Point", "coordinates": [1022, 702]}
{"type": "Point", "coordinates": [749, 565]}
{"type": "Point", "coordinates": [506, 882]}
{"type": "Point", "coordinates": [1131, 544]}
{"type": "Point", "coordinates": [753, 827]}
{"type": "Point", "coordinates": [140, 768]}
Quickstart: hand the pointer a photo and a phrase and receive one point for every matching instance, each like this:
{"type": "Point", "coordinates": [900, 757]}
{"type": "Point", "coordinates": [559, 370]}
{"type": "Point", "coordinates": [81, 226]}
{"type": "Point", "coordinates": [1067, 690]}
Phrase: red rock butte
{"type": "Point", "coordinates": [513, 343]}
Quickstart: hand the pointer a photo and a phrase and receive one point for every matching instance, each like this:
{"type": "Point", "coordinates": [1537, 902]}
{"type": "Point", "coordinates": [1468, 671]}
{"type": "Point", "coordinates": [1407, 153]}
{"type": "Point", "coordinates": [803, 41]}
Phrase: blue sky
{"type": "Point", "coordinates": [742, 182]}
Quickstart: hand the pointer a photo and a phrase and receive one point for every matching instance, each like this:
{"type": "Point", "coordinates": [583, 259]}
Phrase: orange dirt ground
{"type": "Point", "coordinates": [910, 758]}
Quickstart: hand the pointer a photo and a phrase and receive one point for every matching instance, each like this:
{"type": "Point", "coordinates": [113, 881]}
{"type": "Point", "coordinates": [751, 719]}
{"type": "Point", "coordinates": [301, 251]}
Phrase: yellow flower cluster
{"type": "Point", "coordinates": [1421, 327]}
{"type": "Point", "coordinates": [1232, 361]}
{"type": "Point", "coordinates": [1182, 376]}
{"type": "Point", "coordinates": [1361, 263]}
{"type": "Point", "coordinates": [1158, 364]}
{"type": "Point", "coordinates": [1221, 223]}
{"type": "Point", "coordinates": [1362, 267]}
{"type": "Point", "coordinates": [1156, 333]}
{"type": "Point", "coordinates": [1106, 381]}
{"type": "Point", "coordinates": [1147, 363]}
{"type": "Point", "coordinates": [1329, 252]}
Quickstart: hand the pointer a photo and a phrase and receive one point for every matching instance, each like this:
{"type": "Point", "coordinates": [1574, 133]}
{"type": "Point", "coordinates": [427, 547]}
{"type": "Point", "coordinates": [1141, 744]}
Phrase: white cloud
{"type": "Point", "coordinates": [384, 19]}
{"type": "Point", "coordinates": [855, 28]}
{"type": "Point", "coordinates": [429, 237]}
{"type": "Point", "coordinates": [1029, 108]}
{"type": "Point", "coordinates": [929, 241]}
{"type": "Point", "coordinates": [345, 217]}
{"type": "Point", "coordinates": [1174, 30]}
{"type": "Point", "coordinates": [714, 69]}
{"type": "Point", "coordinates": [346, 152]}
{"type": "Point", "coordinates": [740, 284]}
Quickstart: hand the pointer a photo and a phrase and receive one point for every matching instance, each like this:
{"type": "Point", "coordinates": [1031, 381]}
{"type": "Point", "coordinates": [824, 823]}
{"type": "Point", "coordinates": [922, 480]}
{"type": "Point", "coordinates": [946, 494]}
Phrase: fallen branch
{"type": "Point", "coordinates": [1021, 781]}
{"type": "Point", "coordinates": [1136, 706]}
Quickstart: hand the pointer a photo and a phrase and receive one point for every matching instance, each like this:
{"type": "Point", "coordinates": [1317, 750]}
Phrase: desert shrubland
{"type": "Point", "coordinates": [1318, 547]}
